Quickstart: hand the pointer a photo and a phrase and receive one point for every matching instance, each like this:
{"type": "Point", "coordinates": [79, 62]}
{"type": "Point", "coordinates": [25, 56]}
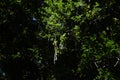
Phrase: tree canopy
{"type": "Point", "coordinates": [59, 40]}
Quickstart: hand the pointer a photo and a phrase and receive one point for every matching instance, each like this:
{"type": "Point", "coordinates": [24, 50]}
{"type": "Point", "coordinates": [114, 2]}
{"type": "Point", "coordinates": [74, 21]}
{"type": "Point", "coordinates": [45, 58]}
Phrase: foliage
{"type": "Point", "coordinates": [59, 40]}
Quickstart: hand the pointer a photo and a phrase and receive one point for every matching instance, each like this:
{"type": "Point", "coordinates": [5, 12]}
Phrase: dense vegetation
{"type": "Point", "coordinates": [59, 40]}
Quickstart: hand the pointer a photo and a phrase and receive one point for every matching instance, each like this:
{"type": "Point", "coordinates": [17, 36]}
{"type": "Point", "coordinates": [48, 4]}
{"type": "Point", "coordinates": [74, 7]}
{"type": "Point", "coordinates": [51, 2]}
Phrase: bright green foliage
{"type": "Point", "coordinates": [59, 40]}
